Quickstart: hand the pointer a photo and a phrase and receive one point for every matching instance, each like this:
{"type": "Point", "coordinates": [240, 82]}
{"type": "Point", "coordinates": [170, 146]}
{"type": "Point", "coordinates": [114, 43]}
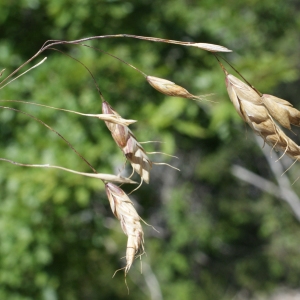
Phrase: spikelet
{"type": "Point", "coordinates": [170, 88]}
{"type": "Point", "coordinates": [253, 110]}
{"type": "Point", "coordinates": [124, 211]}
{"type": "Point", "coordinates": [209, 47]}
{"type": "Point", "coordinates": [131, 148]}
{"type": "Point", "coordinates": [140, 162]}
{"type": "Point", "coordinates": [282, 111]}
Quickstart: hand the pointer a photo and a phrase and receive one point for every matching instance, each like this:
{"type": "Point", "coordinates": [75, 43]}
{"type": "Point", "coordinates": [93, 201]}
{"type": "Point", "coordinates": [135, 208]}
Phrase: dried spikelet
{"type": "Point", "coordinates": [131, 148]}
{"type": "Point", "coordinates": [247, 103]}
{"type": "Point", "coordinates": [280, 141]}
{"type": "Point", "coordinates": [210, 47]}
{"type": "Point", "coordinates": [107, 109]}
{"type": "Point", "coordinates": [139, 160]}
{"type": "Point", "coordinates": [282, 111]}
{"type": "Point", "coordinates": [124, 211]}
{"type": "Point", "coordinates": [253, 110]}
{"type": "Point", "coordinates": [170, 88]}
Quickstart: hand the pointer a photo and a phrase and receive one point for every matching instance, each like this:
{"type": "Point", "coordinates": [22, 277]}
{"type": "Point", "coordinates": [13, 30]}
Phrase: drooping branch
{"type": "Point", "coordinates": [50, 43]}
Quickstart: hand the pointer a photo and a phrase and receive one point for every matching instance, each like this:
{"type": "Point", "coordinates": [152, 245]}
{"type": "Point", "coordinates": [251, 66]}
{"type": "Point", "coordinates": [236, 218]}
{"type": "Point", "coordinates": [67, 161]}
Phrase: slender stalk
{"type": "Point", "coordinates": [121, 60]}
{"type": "Point", "coordinates": [105, 117]}
{"type": "Point", "coordinates": [49, 127]}
{"type": "Point", "coordinates": [95, 82]}
{"type": "Point", "coordinates": [102, 176]}
{"type": "Point", "coordinates": [23, 73]}
{"type": "Point", "coordinates": [225, 71]}
{"type": "Point", "coordinates": [50, 43]}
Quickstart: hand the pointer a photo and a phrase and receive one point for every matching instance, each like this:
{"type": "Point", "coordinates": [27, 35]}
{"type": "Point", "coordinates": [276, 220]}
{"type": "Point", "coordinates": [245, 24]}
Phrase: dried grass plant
{"type": "Point", "coordinates": [260, 111]}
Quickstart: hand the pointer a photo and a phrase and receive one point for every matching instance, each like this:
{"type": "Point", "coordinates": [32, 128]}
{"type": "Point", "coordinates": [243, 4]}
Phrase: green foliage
{"type": "Point", "coordinates": [217, 235]}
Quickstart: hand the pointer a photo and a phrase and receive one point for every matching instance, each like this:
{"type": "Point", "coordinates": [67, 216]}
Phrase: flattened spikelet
{"type": "Point", "coordinates": [259, 111]}
{"type": "Point", "coordinates": [124, 211]}
{"type": "Point", "coordinates": [282, 111]}
{"type": "Point", "coordinates": [170, 88]}
{"type": "Point", "coordinates": [131, 148]}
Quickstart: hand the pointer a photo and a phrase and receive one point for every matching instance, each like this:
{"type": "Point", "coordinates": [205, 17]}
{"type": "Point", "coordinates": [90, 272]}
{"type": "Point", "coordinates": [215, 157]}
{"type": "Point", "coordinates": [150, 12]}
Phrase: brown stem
{"type": "Point", "coordinates": [121, 60]}
{"type": "Point", "coordinates": [104, 177]}
{"type": "Point", "coordinates": [217, 55]}
{"type": "Point", "coordinates": [95, 82]}
{"type": "Point", "coordinates": [49, 127]}
{"type": "Point", "coordinates": [50, 43]}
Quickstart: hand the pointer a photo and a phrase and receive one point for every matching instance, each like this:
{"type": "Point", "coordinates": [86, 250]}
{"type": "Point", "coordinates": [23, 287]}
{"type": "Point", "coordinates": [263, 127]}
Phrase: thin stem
{"type": "Point", "coordinates": [95, 82]}
{"type": "Point", "coordinates": [105, 117]}
{"type": "Point", "coordinates": [103, 177]}
{"type": "Point", "coordinates": [49, 127]}
{"type": "Point", "coordinates": [258, 92]}
{"type": "Point", "coordinates": [50, 43]}
{"type": "Point", "coordinates": [221, 65]}
{"type": "Point", "coordinates": [121, 60]}
{"type": "Point", "coordinates": [20, 67]}
{"type": "Point", "coordinates": [23, 73]}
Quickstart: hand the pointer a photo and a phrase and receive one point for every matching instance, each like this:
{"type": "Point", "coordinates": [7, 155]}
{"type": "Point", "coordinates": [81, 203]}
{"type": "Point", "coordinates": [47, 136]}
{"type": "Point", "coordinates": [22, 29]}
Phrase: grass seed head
{"type": "Point", "coordinates": [259, 111]}
{"type": "Point", "coordinates": [210, 47]}
{"type": "Point", "coordinates": [242, 90]}
{"type": "Point", "coordinates": [138, 158]}
{"type": "Point", "coordinates": [107, 109]}
{"type": "Point", "coordinates": [124, 211]}
{"type": "Point", "coordinates": [131, 148]}
{"type": "Point", "coordinates": [282, 111]}
{"type": "Point", "coordinates": [120, 133]}
{"type": "Point", "coordinates": [170, 88]}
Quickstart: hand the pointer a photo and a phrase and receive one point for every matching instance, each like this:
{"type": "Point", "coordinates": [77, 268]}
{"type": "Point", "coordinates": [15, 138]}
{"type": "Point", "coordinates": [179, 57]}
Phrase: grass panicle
{"type": "Point", "coordinates": [264, 114]}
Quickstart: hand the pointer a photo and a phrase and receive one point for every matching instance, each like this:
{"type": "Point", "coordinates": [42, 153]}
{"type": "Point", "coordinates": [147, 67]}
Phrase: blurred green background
{"type": "Point", "coordinates": [219, 236]}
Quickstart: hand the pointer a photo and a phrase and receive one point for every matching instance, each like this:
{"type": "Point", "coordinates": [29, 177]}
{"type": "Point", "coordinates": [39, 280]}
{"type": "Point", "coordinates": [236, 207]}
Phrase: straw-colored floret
{"type": "Point", "coordinates": [170, 88]}
{"type": "Point", "coordinates": [282, 111]}
{"type": "Point", "coordinates": [260, 111]}
{"type": "Point", "coordinates": [131, 148]}
{"type": "Point", "coordinates": [124, 211]}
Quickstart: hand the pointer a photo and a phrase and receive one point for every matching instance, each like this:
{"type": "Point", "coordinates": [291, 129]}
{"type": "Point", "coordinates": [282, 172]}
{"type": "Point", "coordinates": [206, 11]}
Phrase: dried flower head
{"type": "Point", "coordinates": [239, 91]}
{"type": "Point", "coordinates": [138, 158]}
{"type": "Point", "coordinates": [124, 211]}
{"type": "Point", "coordinates": [209, 47]}
{"type": "Point", "coordinates": [170, 88]}
{"type": "Point", "coordinates": [282, 111]}
{"type": "Point", "coordinates": [259, 111]}
{"type": "Point", "coordinates": [131, 148]}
